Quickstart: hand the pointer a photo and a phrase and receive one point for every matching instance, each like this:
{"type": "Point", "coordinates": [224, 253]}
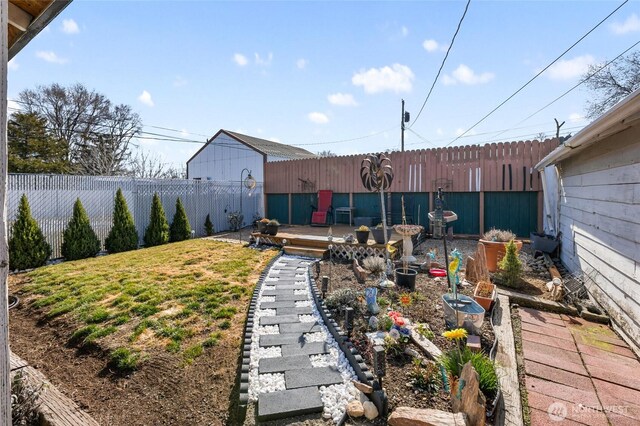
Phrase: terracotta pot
{"type": "Point", "coordinates": [362, 236]}
{"type": "Point", "coordinates": [485, 302]}
{"type": "Point", "coordinates": [495, 251]}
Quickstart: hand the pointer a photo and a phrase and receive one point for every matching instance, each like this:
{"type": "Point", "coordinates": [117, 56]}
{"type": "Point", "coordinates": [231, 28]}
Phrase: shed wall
{"type": "Point", "coordinates": [600, 224]}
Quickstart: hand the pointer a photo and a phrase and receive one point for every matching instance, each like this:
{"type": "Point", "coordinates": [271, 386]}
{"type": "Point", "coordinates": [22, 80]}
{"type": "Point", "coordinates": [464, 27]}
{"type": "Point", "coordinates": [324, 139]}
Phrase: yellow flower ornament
{"type": "Point", "coordinates": [456, 334]}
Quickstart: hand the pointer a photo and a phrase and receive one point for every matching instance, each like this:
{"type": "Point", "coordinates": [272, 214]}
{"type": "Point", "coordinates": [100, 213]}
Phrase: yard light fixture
{"type": "Point", "coordinates": [249, 182]}
{"type": "Point", "coordinates": [348, 320]}
{"type": "Point", "coordinates": [325, 286]}
{"type": "Point", "coordinates": [379, 363]}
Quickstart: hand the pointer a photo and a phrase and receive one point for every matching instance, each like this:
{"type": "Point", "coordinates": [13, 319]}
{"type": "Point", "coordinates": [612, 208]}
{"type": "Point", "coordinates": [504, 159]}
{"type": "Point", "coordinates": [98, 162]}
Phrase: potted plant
{"type": "Point", "coordinates": [362, 234]}
{"type": "Point", "coordinates": [495, 242]}
{"type": "Point", "coordinates": [485, 294]}
{"type": "Point", "coordinates": [378, 234]}
{"type": "Point", "coordinates": [262, 225]}
{"type": "Point", "coordinates": [272, 227]}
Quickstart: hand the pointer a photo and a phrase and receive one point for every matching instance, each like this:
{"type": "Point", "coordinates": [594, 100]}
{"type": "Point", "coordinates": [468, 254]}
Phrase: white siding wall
{"type": "Point", "coordinates": [222, 160]}
{"type": "Point", "coordinates": [600, 224]}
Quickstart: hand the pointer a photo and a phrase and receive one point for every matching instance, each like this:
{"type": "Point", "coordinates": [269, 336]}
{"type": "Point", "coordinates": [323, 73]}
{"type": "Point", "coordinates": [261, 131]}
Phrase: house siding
{"type": "Point", "coordinates": [223, 160]}
{"type": "Point", "coordinates": [600, 224]}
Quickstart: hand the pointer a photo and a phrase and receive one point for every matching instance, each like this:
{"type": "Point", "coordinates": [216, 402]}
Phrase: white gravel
{"type": "Point", "coordinates": [336, 397]}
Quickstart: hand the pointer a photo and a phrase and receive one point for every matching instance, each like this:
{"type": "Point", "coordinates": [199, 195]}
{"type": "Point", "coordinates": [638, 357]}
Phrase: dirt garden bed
{"type": "Point", "coordinates": [145, 337]}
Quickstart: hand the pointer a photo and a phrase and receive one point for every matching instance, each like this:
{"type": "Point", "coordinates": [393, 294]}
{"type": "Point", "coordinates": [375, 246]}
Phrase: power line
{"type": "Point", "coordinates": [538, 74]}
{"type": "Point", "coordinates": [347, 140]}
{"type": "Point", "coordinates": [444, 60]}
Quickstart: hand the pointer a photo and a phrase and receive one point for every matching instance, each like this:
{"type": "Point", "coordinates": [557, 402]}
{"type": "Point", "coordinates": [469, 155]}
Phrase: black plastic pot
{"type": "Point", "coordinates": [271, 229]}
{"type": "Point", "coordinates": [378, 235]}
{"type": "Point", "coordinates": [262, 227]}
{"type": "Point", "coordinates": [406, 278]}
{"type": "Point", "coordinates": [362, 236]}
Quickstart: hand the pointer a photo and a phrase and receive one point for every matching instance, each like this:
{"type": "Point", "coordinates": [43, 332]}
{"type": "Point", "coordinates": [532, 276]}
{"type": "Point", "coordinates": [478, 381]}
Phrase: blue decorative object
{"type": "Point", "coordinates": [370, 295]}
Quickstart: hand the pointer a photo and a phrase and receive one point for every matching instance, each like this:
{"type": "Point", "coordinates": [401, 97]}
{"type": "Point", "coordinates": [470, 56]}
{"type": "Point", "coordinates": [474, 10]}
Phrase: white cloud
{"type": "Point", "coordinates": [318, 118]}
{"type": "Point", "coordinates": [405, 31]}
{"type": "Point", "coordinates": [50, 56]}
{"type": "Point", "coordinates": [396, 78]}
{"type": "Point", "coordinates": [13, 106]}
{"type": "Point", "coordinates": [240, 59]}
{"type": "Point", "coordinates": [465, 75]}
{"type": "Point", "coordinates": [13, 65]}
{"type": "Point", "coordinates": [69, 26]}
{"type": "Point", "coordinates": [566, 69]}
{"type": "Point", "coordinates": [264, 61]}
{"type": "Point", "coordinates": [576, 117]}
{"type": "Point", "coordinates": [430, 45]}
{"type": "Point", "coordinates": [145, 98]}
{"type": "Point", "coordinates": [630, 25]}
{"type": "Point", "coordinates": [342, 99]}
{"type": "Point", "coordinates": [302, 63]}
{"type": "Point", "coordinates": [179, 81]}
{"type": "Point", "coordinates": [459, 132]}
{"type": "Point", "coordinates": [439, 131]}
{"type": "Point", "coordinates": [275, 140]}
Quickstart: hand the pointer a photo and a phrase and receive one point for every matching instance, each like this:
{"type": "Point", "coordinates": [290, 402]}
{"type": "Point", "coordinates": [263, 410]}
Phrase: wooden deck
{"type": "Point", "coordinates": [313, 241]}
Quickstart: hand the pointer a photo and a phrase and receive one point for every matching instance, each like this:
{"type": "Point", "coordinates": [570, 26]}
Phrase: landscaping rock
{"type": "Point", "coordinates": [355, 408]}
{"type": "Point", "coordinates": [466, 396]}
{"type": "Point", "coordinates": [370, 410]}
{"type": "Point", "coordinates": [406, 416]}
{"type": "Point", "coordinates": [362, 387]}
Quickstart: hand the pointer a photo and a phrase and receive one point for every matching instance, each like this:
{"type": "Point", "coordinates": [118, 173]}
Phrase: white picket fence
{"type": "Point", "coordinates": [51, 198]}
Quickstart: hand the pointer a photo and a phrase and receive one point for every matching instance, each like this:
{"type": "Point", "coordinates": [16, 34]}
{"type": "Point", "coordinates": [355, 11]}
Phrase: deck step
{"type": "Point", "coordinates": [305, 251]}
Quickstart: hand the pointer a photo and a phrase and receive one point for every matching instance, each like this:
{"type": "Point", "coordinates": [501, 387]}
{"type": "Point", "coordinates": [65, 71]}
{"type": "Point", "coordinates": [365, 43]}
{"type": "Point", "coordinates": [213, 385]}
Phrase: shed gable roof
{"type": "Point", "coordinates": [262, 146]}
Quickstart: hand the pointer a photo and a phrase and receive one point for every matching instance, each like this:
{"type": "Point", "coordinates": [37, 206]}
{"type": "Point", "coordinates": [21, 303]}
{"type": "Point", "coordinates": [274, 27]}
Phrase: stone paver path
{"type": "Point", "coordinates": [285, 293]}
{"type": "Point", "coordinates": [578, 372]}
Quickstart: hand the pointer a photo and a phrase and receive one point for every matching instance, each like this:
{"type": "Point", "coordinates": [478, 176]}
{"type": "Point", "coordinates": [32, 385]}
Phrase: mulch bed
{"type": "Point", "coordinates": [162, 392]}
{"type": "Point", "coordinates": [425, 308]}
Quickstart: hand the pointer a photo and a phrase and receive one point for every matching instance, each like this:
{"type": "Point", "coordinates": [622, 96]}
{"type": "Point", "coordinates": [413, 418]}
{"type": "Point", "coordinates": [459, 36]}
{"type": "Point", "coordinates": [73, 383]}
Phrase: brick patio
{"type": "Point", "coordinates": [583, 370]}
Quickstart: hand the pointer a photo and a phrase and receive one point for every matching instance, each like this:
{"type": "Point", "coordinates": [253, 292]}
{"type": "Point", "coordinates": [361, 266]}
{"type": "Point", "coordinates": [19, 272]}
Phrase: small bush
{"type": "Point", "coordinates": [343, 298]}
{"type": "Point", "coordinates": [157, 232]}
{"type": "Point", "coordinates": [180, 228]}
{"type": "Point", "coordinates": [510, 266]}
{"type": "Point", "coordinates": [425, 375]}
{"type": "Point", "coordinates": [454, 360]}
{"type": "Point", "coordinates": [27, 245]}
{"type": "Point", "coordinates": [24, 401]}
{"type": "Point", "coordinates": [123, 235]}
{"type": "Point", "coordinates": [208, 226]}
{"type": "Point", "coordinates": [79, 241]}
{"type": "Point", "coordinates": [498, 235]}
{"type": "Point", "coordinates": [375, 265]}
{"type": "Point", "coordinates": [124, 359]}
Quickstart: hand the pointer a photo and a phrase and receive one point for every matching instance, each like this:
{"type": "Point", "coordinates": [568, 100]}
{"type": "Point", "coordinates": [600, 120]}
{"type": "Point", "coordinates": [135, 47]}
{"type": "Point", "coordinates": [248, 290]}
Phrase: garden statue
{"type": "Point", "coordinates": [377, 174]}
{"type": "Point", "coordinates": [374, 323]}
{"type": "Point", "coordinates": [454, 268]}
{"type": "Point", "coordinates": [370, 295]}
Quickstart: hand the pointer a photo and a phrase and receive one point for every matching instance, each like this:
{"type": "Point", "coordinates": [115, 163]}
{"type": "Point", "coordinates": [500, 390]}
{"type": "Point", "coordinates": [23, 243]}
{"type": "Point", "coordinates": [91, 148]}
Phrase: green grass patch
{"type": "Point", "coordinates": [124, 359]}
{"type": "Point", "coordinates": [173, 294]}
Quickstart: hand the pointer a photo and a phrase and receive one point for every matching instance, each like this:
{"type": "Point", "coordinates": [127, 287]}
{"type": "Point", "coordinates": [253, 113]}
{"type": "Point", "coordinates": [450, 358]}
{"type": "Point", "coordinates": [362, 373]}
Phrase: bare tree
{"type": "Point", "coordinates": [540, 136]}
{"type": "Point", "coordinates": [97, 133]}
{"type": "Point", "coordinates": [612, 83]}
{"type": "Point", "coordinates": [145, 164]}
{"type": "Point", "coordinates": [327, 153]}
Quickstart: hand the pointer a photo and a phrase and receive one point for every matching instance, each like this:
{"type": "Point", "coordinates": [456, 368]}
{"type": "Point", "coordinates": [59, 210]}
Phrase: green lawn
{"type": "Point", "coordinates": [182, 297]}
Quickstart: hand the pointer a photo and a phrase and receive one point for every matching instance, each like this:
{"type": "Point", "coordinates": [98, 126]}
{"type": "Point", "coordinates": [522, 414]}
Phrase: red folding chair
{"type": "Point", "coordinates": [324, 210]}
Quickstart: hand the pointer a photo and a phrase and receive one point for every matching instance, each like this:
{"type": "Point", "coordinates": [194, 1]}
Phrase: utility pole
{"type": "Point", "coordinates": [402, 128]}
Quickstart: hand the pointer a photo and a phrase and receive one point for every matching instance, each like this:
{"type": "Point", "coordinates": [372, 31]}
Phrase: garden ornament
{"type": "Point", "coordinates": [377, 174]}
{"type": "Point", "coordinates": [374, 323]}
{"type": "Point", "coordinates": [370, 295]}
{"type": "Point", "coordinates": [454, 268]}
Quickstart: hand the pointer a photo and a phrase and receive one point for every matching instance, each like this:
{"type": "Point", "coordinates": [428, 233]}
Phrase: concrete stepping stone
{"type": "Point", "coordinates": [277, 292]}
{"type": "Point", "coordinates": [289, 403]}
{"type": "Point", "coordinates": [284, 363]}
{"type": "Point", "coordinates": [294, 297]}
{"type": "Point", "coordinates": [303, 310]}
{"type": "Point", "coordinates": [290, 287]}
{"type": "Point", "coordinates": [319, 376]}
{"type": "Point", "coordinates": [300, 327]}
{"type": "Point", "coordinates": [276, 305]}
{"type": "Point", "coordinates": [281, 339]}
{"type": "Point", "coordinates": [310, 348]}
{"type": "Point", "coordinates": [279, 319]}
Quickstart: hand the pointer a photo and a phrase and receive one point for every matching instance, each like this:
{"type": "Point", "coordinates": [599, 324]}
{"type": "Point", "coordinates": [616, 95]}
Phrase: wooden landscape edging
{"type": "Point", "coordinates": [55, 408]}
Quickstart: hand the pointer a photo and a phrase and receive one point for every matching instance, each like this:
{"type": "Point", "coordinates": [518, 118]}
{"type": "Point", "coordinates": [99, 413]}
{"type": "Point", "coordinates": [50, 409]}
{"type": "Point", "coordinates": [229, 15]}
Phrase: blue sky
{"type": "Point", "coordinates": [308, 73]}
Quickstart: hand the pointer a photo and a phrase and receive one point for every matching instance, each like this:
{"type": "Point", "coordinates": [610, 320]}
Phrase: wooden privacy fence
{"type": "Point", "coordinates": [477, 174]}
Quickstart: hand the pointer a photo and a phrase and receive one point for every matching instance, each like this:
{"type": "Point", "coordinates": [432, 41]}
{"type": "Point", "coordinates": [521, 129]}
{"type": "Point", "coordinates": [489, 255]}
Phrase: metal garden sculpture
{"type": "Point", "coordinates": [377, 174]}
